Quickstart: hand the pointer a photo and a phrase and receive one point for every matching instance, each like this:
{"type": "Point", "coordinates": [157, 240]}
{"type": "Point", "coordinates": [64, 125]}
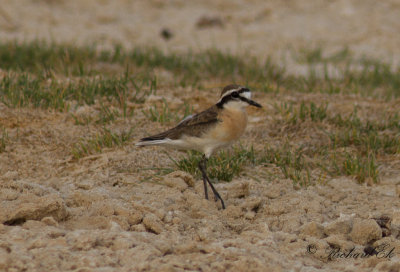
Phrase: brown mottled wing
{"type": "Point", "coordinates": [193, 126]}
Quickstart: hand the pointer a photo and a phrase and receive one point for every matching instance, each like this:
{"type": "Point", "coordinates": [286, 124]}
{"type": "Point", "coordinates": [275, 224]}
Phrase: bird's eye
{"type": "Point", "coordinates": [235, 95]}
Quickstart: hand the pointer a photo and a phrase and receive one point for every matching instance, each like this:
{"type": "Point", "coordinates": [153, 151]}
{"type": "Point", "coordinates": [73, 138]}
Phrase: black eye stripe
{"type": "Point", "coordinates": [233, 96]}
{"type": "Point", "coordinates": [236, 93]}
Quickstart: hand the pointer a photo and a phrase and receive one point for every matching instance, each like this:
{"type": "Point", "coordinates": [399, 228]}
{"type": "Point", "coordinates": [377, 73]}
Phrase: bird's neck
{"type": "Point", "coordinates": [235, 106]}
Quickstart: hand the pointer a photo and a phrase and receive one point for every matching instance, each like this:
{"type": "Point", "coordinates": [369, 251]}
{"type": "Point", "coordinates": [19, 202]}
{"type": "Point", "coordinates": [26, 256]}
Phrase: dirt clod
{"type": "Point", "coordinates": [364, 231]}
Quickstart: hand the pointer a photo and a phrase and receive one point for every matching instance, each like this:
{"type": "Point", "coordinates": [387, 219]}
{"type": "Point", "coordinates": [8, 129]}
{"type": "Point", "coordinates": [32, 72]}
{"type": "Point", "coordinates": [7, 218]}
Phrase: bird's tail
{"type": "Point", "coordinates": [156, 142]}
{"type": "Point", "coordinates": [152, 140]}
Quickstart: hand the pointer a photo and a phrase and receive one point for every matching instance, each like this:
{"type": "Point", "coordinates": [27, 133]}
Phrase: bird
{"type": "Point", "coordinates": [210, 130]}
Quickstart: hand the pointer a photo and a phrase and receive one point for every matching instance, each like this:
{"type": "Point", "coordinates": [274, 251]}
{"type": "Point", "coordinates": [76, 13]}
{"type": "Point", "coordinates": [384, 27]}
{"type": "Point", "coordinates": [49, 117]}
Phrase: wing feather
{"type": "Point", "coordinates": [193, 126]}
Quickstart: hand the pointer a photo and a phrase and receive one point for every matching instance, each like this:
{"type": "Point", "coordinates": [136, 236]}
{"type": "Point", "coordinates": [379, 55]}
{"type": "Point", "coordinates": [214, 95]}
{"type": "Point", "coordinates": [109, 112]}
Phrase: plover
{"type": "Point", "coordinates": [210, 130]}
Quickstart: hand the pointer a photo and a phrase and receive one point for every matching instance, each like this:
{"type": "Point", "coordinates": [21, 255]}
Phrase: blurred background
{"type": "Point", "coordinates": [261, 28]}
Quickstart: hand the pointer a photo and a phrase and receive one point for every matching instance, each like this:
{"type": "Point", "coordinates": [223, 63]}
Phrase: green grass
{"type": "Point", "coordinates": [291, 162]}
{"type": "Point", "coordinates": [364, 76]}
{"type": "Point", "coordinates": [296, 165]}
{"type": "Point", "coordinates": [41, 57]}
{"type": "Point", "coordinates": [366, 142]}
{"type": "Point", "coordinates": [355, 147]}
{"type": "Point", "coordinates": [164, 114]}
{"type": "Point", "coordinates": [189, 69]}
{"type": "Point", "coordinates": [357, 76]}
{"type": "Point", "coordinates": [223, 166]}
{"type": "Point", "coordinates": [22, 90]}
{"type": "Point", "coordinates": [106, 115]}
{"type": "Point", "coordinates": [95, 144]}
{"type": "Point", "coordinates": [316, 56]}
{"type": "Point", "coordinates": [58, 77]}
{"type": "Point", "coordinates": [376, 137]}
{"type": "Point", "coordinates": [82, 120]}
{"type": "Point", "coordinates": [361, 167]}
{"type": "Point", "coordinates": [4, 139]}
{"type": "Point", "coordinates": [305, 111]}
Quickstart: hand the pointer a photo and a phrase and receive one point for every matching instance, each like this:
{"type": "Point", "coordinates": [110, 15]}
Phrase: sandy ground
{"type": "Point", "coordinates": [101, 213]}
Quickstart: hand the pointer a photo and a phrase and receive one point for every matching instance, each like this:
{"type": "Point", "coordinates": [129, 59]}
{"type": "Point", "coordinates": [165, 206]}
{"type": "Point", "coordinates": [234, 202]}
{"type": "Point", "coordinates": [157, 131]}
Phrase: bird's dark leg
{"type": "Point", "coordinates": [216, 194]}
{"type": "Point", "coordinates": [203, 167]}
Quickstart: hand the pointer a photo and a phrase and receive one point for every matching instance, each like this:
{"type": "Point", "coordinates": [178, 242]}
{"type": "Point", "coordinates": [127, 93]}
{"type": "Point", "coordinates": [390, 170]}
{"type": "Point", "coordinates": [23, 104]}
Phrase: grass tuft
{"type": "Point", "coordinates": [106, 115]}
{"type": "Point", "coordinates": [22, 90]}
{"type": "Point", "coordinates": [165, 115]}
{"type": "Point", "coordinates": [361, 167]}
{"type": "Point", "coordinates": [106, 139]}
{"type": "Point", "coordinates": [306, 111]}
{"type": "Point", "coordinates": [4, 140]}
{"type": "Point", "coordinates": [291, 162]}
{"type": "Point", "coordinates": [223, 166]}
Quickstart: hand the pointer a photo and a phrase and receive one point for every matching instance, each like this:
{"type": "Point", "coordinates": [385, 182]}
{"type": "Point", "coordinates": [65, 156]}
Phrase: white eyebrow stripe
{"type": "Point", "coordinates": [246, 94]}
{"type": "Point", "coordinates": [229, 92]}
{"type": "Point", "coordinates": [242, 91]}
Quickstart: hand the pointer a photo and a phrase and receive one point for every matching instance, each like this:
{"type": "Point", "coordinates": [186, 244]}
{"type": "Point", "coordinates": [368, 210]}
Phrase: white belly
{"type": "Point", "coordinates": [203, 145]}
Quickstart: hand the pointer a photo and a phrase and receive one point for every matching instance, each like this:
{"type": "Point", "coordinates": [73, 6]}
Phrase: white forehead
{"type": "Point", "coordinates": [246, 94]}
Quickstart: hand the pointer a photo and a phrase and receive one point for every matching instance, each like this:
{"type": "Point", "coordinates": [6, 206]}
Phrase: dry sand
{"type": "Point", "coordinates": [101, 213]}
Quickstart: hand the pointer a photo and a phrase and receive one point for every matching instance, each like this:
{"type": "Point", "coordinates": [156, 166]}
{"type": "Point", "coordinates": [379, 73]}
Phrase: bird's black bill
{"type": "Point", "coordinates": [255, 104]}
{"type": "Point", "coordinates": [251, 102]}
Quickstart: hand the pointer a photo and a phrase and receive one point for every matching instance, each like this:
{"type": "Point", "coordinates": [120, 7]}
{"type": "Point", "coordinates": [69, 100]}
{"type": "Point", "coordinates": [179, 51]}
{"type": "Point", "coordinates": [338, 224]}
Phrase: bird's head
{"type": "Point", "coordinates": [236, 96]}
